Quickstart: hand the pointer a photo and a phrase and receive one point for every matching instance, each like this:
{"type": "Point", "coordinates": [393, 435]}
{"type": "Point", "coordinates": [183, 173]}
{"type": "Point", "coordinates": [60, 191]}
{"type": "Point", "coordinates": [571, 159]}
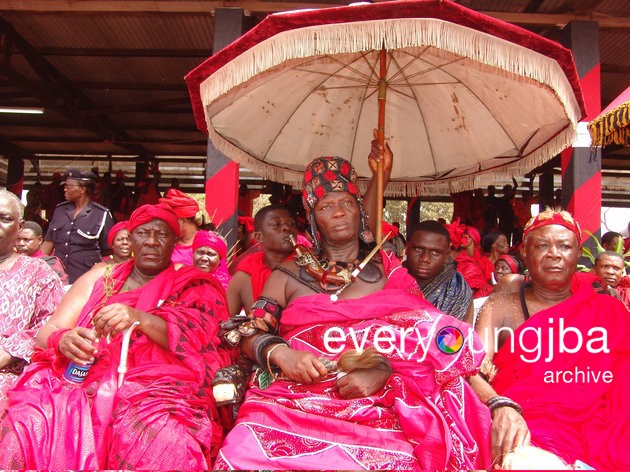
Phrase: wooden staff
{"type": "Point", "coordinates": [382, 92]}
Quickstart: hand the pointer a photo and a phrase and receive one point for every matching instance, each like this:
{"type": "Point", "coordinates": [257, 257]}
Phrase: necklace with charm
{"type": "Point", "coordinates": [334, 275]}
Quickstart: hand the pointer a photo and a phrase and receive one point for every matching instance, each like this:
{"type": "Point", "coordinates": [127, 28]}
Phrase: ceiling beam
{"type": "Point", "coordinates": [56, 91]}
{"type": "Point", "coordinates": [118, 52]}
{"type": "Point", "coordinates": [263, 7]}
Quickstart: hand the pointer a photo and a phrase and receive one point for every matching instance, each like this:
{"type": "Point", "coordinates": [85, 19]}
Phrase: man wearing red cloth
{"type": "Point", "coordinates": [561, 355]}
{"type": "Point", "coordinates": [409, 408]}
{"type": "Point", "coordinates": [161, 415]}
{"type": "Point", "coordinates": [273, 226]}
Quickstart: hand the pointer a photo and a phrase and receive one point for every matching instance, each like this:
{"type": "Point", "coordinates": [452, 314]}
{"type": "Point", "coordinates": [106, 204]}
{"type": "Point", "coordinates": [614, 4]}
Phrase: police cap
{"type": "Point", "coordinates": [84, 176]}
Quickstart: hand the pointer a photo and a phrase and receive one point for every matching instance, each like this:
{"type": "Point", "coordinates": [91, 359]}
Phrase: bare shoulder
{"type": "Point", "coordinates": [501, 310]}
{"type": "Point", "coordinates": [509, 283]}
{"type": "Point", "coordinates": [239, 278]}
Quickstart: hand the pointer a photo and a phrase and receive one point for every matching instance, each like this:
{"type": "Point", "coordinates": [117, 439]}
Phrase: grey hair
{"type": "Point", "coordinates": [16, 201]}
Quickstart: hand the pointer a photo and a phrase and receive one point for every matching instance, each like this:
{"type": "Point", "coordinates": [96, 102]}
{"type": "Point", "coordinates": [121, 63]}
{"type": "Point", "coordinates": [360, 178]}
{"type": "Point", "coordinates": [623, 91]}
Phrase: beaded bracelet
{"type": "Point", "coordinates": [500, 402]}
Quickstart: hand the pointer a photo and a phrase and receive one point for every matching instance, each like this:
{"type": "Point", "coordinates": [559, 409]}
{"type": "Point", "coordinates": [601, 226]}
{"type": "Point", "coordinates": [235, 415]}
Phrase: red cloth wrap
{"type": "Point", "coordinates": [248, 222]}
{"type": "Point", "coordinates": [556, 219]}
{"type": "Point", "coordinates": [255, 266]}
{"type": "Point", "coordinates": [146, 213]}
{"type": "Point", "coordinates": [212, 240]}
{"type": "Point", "coordinates": [509, 260]}
{"type": "Point", "coordinates": [576, 418]}
{"type": "Point", "coordinates": [115, 229]}
{"type": "Point", "coordinates": [183, 205]}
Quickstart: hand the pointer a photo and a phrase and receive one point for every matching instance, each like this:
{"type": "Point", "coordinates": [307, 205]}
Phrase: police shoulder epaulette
{"type": "Point", "coordinates": [100, 207]}
{"type": "Point", "coordinates": [64, 203]}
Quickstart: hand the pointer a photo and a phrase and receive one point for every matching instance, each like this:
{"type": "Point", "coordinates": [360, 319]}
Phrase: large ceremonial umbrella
{"type": "Point", "coordinates": [612, 126]}
{"type": "Point", "coordinates": [468, 96]}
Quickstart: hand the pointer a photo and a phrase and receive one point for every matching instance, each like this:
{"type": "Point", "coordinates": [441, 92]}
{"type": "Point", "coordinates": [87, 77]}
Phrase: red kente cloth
{"type": "Point", "coordinates": [425, 418]}
{"type": "Point", "coordinates": [255, 266]}
{"type": "Point", "coordinates": [162, 417]}
{"type": "Point", "coordinates": [587, 421]}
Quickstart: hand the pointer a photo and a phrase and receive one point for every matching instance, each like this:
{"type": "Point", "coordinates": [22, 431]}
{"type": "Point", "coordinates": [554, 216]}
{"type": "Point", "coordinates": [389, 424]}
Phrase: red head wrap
{"type": "Point", "coordinates": [510, 261]}
{"type": "Point", "coordinates": [183, 205]}
{"type": "Point", "coordinates": [473, 233]}
{"type": "Point", "coordinates": [248, 222]}
{"type": "Point", "coordinates": [388, 228]}
{"type": "Point", "coordinates": [160, 211]}
{"type": "Point", "coordinates": [115, 229]}
{"type": "Point", "coordinates": [212, 240]}
{"type": "Point", "coordinates": [456, 232]}
{"type": "Point", "coordinates": [553, 217]}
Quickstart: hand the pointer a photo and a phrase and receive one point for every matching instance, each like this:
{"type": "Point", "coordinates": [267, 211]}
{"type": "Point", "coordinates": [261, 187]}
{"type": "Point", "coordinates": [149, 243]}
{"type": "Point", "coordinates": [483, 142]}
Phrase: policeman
{"type": "Point", "coordinates": [79, 227]}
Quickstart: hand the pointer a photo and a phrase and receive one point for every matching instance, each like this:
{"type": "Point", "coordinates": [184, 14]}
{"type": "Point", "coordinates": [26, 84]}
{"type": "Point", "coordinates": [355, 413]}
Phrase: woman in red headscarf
{"type": "Point", "coordinates": [187, 211]}
{"type": "Point", "coordinates": [476, 269]}
{"type": "Point", "coordinates": [118, 239]}
{"type": "Point", "coordinates": [209, 252]}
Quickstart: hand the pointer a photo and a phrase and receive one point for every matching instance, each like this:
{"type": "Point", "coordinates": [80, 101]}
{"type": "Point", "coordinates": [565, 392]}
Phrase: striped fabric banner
{"type": "Point", "coordinates": [581, 165]}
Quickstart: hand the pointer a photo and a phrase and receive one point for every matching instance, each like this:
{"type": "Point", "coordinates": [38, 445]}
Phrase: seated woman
{"type": "Point", "coordinates": [507, 264]}
{"type": "Point", "coordinates": [118, 239]}
{"type": "Point", "coordinates": [309, 407]}
{"type": "Point", "coordinates": [163, 415]}
{"type": "Point", "coordinates": [209, 253]}
{"type": "Point", "coordinates": [476, 269]}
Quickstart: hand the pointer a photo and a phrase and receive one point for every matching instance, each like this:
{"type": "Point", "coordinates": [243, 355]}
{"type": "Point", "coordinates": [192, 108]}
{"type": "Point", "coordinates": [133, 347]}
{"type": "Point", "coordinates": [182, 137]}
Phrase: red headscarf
{"type": "Point", "coordinates": [183, 205]}
{"type": "Point", "coordinates": [215, 241]}
{"type": "Point", "coordinates": [456, 232]}
{"type": "Point", "coordinates": [388, 228]}
{"type": "Point", "coordinates": [248, 222]}
{"type": "Point", "coordinates": [212, 240]}
{"type": "Point", "coordinates": [473, 233]}
{"type": "Point", "coordinates": [115, 229]}
{"type": "Point", "coordinates": [510, 261]}
{"type": "Point", "coordinates": [553, 217]}
{"type": "Point", "coordinates": [146, 213]}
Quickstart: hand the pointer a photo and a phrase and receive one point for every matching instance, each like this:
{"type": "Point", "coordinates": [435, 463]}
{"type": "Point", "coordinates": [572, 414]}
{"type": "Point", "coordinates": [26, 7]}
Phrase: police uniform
{"type": "Point", "coordinates": [80, 242]}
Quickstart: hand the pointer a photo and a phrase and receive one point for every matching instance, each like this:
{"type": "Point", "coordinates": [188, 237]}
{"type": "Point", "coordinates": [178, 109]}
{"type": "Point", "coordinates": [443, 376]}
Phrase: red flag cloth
{"type": "Point", "coordinates": [222, 193]}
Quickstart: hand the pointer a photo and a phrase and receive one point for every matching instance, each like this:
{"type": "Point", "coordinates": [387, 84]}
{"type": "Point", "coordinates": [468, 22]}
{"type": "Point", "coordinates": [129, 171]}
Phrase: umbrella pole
{"type": "Point", "coordinates": [382, 92]}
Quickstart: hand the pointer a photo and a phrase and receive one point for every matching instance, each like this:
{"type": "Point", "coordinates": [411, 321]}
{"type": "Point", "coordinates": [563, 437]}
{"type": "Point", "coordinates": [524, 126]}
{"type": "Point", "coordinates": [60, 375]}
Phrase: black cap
{"type": "Point", "coordinates": [81, 175]}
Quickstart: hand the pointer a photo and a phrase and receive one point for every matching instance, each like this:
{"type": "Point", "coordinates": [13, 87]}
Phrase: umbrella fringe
{"type": "Point", "coordinates": [489, 176]}
{"type": "Point", "coordinates": [393, 34]}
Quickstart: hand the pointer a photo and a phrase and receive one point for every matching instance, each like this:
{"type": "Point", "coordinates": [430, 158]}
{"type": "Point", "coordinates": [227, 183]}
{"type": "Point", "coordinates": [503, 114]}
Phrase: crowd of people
{"type": "Point", "coordinates": [135, 341]}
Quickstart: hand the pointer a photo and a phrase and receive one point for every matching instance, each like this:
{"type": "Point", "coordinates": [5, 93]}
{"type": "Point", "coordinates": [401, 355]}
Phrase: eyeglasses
{"type": "Point", "coordinates": [71, 185]}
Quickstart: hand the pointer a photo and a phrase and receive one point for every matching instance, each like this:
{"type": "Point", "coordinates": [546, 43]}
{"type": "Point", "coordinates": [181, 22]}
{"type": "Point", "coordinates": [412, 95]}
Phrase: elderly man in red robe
{"type": "Point", "coordinates": [560, 351]}
{"type": "Point", "coordinates": [74, 410]}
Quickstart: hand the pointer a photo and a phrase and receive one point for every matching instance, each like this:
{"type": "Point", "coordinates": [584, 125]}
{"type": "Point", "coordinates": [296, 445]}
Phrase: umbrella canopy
{"type": "Point", "coordinates": [612, 126]}
{"type": "Point", "coordinates": [467, 96]}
